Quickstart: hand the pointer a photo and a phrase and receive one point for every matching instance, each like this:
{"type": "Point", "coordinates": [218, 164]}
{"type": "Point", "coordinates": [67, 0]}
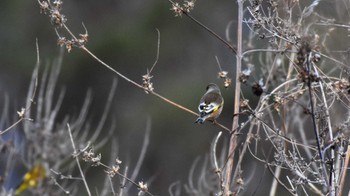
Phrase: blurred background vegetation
{"type": "Point", "coordinates": [123, 34]}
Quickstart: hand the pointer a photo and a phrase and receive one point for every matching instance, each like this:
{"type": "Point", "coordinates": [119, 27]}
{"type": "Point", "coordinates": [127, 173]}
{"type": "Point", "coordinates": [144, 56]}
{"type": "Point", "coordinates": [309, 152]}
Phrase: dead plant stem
{"type": "Point", "coordinates": [233, 138]}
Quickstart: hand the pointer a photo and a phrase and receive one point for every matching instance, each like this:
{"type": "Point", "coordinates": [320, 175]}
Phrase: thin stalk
{"type": "Point", "coordinates": [77, 160]}
{"type": "Point", "coordinates": [314, 125]}
{"type": "Point", "coordinates": [233, 138]}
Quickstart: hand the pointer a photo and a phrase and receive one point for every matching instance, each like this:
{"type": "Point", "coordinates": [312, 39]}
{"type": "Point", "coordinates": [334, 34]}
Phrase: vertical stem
{"type": "Point", "coordinates": [332, 177]}
{"type": "Point", "coordinates": [233, 139]}
{"type": "Point", "coordinates": [315, 128]}
{"type": "Point", "coordinates": [77, 160]}
{"type": "Point", "coordinates": [346, 164]}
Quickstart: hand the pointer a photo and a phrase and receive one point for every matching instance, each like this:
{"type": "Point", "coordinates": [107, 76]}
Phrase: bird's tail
{"type": "Point", "coordinates": [200, 120]}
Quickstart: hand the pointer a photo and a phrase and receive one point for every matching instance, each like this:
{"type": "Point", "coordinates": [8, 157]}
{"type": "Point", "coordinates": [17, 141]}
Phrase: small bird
{"type": "Point", "coordinates": [210, 105]}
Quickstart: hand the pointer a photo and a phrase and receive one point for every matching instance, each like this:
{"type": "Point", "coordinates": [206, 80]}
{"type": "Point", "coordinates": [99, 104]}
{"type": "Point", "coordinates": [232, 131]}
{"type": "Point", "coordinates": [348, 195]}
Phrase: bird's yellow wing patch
{"type": "Point", "coordinates": [31, 178]}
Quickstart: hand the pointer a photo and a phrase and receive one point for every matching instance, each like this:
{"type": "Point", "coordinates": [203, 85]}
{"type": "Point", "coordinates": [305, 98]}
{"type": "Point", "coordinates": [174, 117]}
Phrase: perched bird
{"type": "Point", "coordinates": [32, 178]}
{"type": "Point", "coordinates": [16, 175]}
{"type": "Point", "coordinates": [211, 104]}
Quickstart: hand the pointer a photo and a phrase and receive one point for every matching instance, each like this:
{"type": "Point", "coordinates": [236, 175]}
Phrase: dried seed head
{"type": "Point", "coordinates": [118, 162]}
{"type": "Point", "coordinates": [21, 113]}
{"type": "Point", "coordinates": [240, 182]}
{"type": "Point", "coordinates": [44, 7]}
{"type": "Point", "coordinates": [57, 4]}
{"type": "Point", "coordinates": [113, 171]}
{"type": "Point", "coordinates": [69, 45]}
{"type": "Point", "coordinates": [61, 41]}
{"type": "Point", "coordinates": [177, 9]}
{"type": "Point", "coordinates": [278, 101]}
{"type": "Point", "coordinates": [147, 84]}
{"type": "Point", "coordinates": [341, 85]}
{"type": "Point", "coordinates": [244, 103]}
{"type": "Point", "coordinates": [227, 82]}
{"type": "Point", "coordinates": [143, 187]}
{"type": "Point", "coordinates": [57, 18]}
{"type": "Point", "coordinates": [83, 38]}
{"type": "Point", "coordinates": [222, 74]}
{"type": "Point", "coordinates": [244, 76]}
{"type": "Point", "coordinates": [188, 5]}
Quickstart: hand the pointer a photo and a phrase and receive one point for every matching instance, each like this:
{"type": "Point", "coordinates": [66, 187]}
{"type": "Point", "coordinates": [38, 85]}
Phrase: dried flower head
{"type": "Point", "coordinates": [278, 101]}
{"type": "Point", "coordinates": [21, 113]}
{"type": "Point", "coordinates": [44, 7]}
{"type": "Point", "coordinates": [83, 38]}
{"type": "Point", "coordinates": [222, 74]}
{"type": "Point", "coordinates": [96, 160]}
{"type": "Point", "coordinates": [244, 76]}
{"type": "Point", "coordinates": [240, 181]}
{"type": "Point", "coordinates": [89, 156]}
{"type": "Point", "coordinates": [69, 44]}
{"type": "Point", "coordinates": [341, 85]}
{"type": "Point", "coordinates": [142, 187]}
{"type": "Point", "coordinates": [118, 162]}
{"type": "Point", "coordinates": [306, 76]}
{"type": "Point", "coordinates": [188, 5]}
{"type": "Point", "coordinates": [57, 4]}
{"type": "Point", "coordinates": [61, 41]}
{"type": "Point", "coordinates": [177, 9]}
{"type": "Point", "coordinates": [113, 171]}
{"type": "Point", "coordinates": [244, 103]}
{"type": "Point", "coordinates": [57, 18]}
{"type": "Point", "coordinates": [147, 84]}
{"type": "Point", "coordinates": [227, 82]}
